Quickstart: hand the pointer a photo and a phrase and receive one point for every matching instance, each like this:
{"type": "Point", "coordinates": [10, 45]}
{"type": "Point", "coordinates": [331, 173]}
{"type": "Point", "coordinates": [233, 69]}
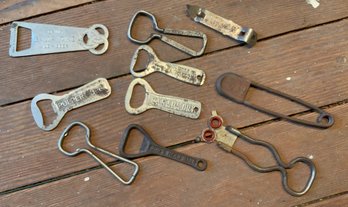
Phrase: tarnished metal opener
{"type": "Point", "coordinates": [164, 38]}
{"type": "Point", "coordinates": [181, 72]}
{"type": "Point", "coordinates": [175, 105]}
{"type": "Point", "coordinates": [89, 93]}
{"type": "Point", "coordinates": [46, 39]}
{"type": "Point", "coordinates": [226, 137]}
{"type": "Point", "coordinates": [220, 24]}
{"type": "Point", "coordinates": [83, 150]}
{"type": "Point", "coordinates": [149, 147]}
{"type": "Point", "coordinates": [235, 88]}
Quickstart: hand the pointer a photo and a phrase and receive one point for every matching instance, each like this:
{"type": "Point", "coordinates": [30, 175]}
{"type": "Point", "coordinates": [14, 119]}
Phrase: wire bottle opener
{"type": "Point", "coordinates": [83, 150]}
{"type": "Point", "coordinates": [235, 88]}
{"type": "Point", "coordinates": [226, 137]}
{"type": "Point", "coordinates": [222, 25]}
{"type": "Point", "coordinates": [181, 72]}
{"type": "Point", "coordinates": [164, 38]}
{"type": "Point", "coordinates": [175, 105]}
{"type": "Point", "coordinates": [89, 93]}
{"type": "Point", "coordinates": [149, 147]}
{"type": "Point", "coordinates": [46, 39]}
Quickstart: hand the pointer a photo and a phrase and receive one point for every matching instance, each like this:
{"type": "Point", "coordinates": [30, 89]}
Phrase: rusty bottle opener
{"type": "Point", "coordinates": [181, 72]}
{"type": "Point", "coordinates": [89, 93]}
{"type": "Point", "coordinates": [226, 137]}
{"type": "Point", "coordinates": [175, 105]}
{"type": "Point", "coordinates": [149, 147]}
{"type": "Point", "coordinates": [235, 88]}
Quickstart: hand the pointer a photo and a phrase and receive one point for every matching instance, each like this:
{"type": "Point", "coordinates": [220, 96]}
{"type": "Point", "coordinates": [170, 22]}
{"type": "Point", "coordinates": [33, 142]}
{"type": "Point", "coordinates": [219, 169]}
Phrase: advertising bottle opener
{"type": "Point", "coordinates": [175, 105]}
{"type": "Point", "coordinates": [46, 39]}
{"type": "Point", "coordinates": [89, 93]}
{"type": "Point", "coordinates": [181, 72]}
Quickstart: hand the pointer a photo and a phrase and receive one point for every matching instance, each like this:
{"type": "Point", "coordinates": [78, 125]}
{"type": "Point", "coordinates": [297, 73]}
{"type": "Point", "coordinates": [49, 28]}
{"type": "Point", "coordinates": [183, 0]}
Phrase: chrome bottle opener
{"type": "Point", "coordinates": [46, 39]}
{"type": "Point", "coordinates": [222, 25]}
{"type": "Point", "coordinates": [89, 93]}
{"type": "Point", "coordinates": [175, 105]}
{"type": "Point", "coordinates": [164, 38]}
{"type": "Point", "coordinates": [225, 136]}
{"type": "Point", "coordinates": [181, 72]}
{"type": "Point", "coordinates": [83, 150]}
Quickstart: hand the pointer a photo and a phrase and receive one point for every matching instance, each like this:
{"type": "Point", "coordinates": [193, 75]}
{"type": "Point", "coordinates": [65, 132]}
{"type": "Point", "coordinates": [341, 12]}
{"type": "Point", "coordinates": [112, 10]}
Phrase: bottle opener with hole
{"type": "Point", "coordinates": [89, 93]}
{"type": "Point", "coordinates": [181, 72]}
{"type": "Point", "coordinates": [175, 105]}
{"type": "Point", "coordinates": [83, 150]}
{"type": "Point", "coordinates": [149, 147]}
{"type": "Point", "coordinates": [164, 38]}
{"type": "Point", "coordinates": [226, 137]}
{"type": "Point", "coordinates": [235, 88]}
{"type": "Point", "coordinates": [46, 39]}
{"type": "Point", "coordinates": [222, 25]}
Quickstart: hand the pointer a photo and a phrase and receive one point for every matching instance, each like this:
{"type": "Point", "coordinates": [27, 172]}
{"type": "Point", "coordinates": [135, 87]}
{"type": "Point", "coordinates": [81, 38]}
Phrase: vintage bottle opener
{"type": "Point", "coordinates": [181, 72]}
{"type": "Point", "coordinates": [175, 105]}
{"type": "Point", "coordinates": [83, 150]}
{"type": "Point", "coordinates": [226, 137]}
{"type": "Point", "coordinates": [222, 25]}
{"type": "Point", "coordinates": [164, 38]}
{"type": "Point", "coordinates": [235, 88]}
{"type": "Point", "coordinates": [149, 147]}
{"type": "Point", "coordinates": [46, 39]}
{"type": "Point", "coordinates": [89, 93]}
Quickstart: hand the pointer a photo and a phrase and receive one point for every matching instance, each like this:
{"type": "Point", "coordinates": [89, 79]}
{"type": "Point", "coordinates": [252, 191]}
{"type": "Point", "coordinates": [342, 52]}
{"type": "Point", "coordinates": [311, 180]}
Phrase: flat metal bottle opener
{"type": "Point", "coordinates": [89, 143]}
{"type": "Point", "coordinates": [46, 39]}
{"type": "Point", "coordinates": [181, 72]}
{"type": "Point", "coordinates": [175, 105]}
{"type": "Point", "coordinates": [235, 88]}
{"type": "Point", "coordinates": [222, 25]}
{"type": "Point", "coordinates": [164, 38]}
{"type": "Point", "coordinates": [89, 93]}
{"type": "Point", "coordinates": [226, 137]}
{"type": "Point", "coordinates": [149, 147]}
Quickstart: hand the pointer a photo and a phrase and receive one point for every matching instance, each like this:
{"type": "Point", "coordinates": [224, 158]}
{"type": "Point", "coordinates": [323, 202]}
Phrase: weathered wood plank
{"type": "Point", "coordinates": [226, 182]}
{"type": "Point", "coordinates": [19, 9]}
{"type": "Point", "coordinates": [56, 72]}
{"type": "Point", "coordinates": [314, 60]}
{"type": "Point", "coordinates": [338, 201]}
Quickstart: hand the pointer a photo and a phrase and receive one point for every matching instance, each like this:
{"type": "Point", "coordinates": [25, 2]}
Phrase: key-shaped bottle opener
{"type": "Point", "coordinates": [175, 105]}
{"type": "Point", "coordinates": [222, 25]}
{"type": "Point", "coordinates": [46, 39]}
{"type": "Point", "coordinates": [149, 147]}
{"type": "Point", "coordinates": [89, 143]}
{"type": "Point", "coordinates": [89, 93]}
{"type": "Point", "coordinates": [181, 72]}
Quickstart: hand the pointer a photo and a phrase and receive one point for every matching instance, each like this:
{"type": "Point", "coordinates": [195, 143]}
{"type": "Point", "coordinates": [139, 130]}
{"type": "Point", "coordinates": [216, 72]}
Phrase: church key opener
{"type": "Point", "coordinates": [181, 72]}
{"type": "Point", "coordinates": [225, 136]}
{"type": "Point", "coordinates": [164, 38]}
{"type": "Point", "coordinates": [149, 147]}
{"type": "Point", "coordinates": [222, 25]}
{"type": "Point", "coordinates": [90, 153]}
{"type": "Point", "coordinates": [235, 88]}
{"type": "Point", "coordinates": [89, 93]}
{"type": "Point", "coordinates": [175, 105]}
{"type": "Point", "coordinates": [46, 39]}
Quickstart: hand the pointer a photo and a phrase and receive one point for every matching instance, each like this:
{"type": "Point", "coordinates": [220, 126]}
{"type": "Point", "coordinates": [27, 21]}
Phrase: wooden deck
{"type": "Point", "coordinates": [301, 51]}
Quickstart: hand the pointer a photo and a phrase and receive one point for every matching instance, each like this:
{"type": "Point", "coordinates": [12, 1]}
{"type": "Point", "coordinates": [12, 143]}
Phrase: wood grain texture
{"type": "Point", "coordinates": [313, 59]}
{"type": "Point", "coordinates": [226, 182]}
{"type": "Point", "coordinates": [338, 201]}
{"type": "Point", "coordinates": [49, 73]}
{"type": "Point", "coordinates": [19, 9]}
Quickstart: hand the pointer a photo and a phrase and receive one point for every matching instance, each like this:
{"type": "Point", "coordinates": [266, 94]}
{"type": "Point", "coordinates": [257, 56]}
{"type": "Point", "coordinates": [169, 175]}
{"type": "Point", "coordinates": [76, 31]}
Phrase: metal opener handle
{"type": "Point", "coordinates": [175, 105]}
{"type": "Point", "coordinates": [86, 94]}
{"type": "Point", "coordinates": [171, 42]}
{"type": "Point", "coordinates": [149, 147]}
{"type": "Point", "coordinates": [180, 72]}
{"type": "Point", "coordinates": [82, 150]}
